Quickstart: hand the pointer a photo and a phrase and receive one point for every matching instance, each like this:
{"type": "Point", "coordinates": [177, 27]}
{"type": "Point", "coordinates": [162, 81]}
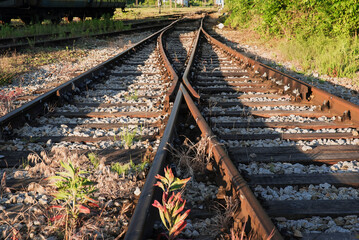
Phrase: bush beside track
{"type": "Point", "coordinates": [322, 35]}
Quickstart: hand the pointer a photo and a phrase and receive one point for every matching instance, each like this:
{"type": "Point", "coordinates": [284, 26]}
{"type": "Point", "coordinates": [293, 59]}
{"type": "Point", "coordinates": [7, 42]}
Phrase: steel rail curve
{"type": "Point", "coordinates": [142, 220]}
{"type": "Point", "coordinates": [250, 207]}
{"type": "Point", "coordinates": [347, 112]}
{"type": "Point", "coordinates": [185, 76]}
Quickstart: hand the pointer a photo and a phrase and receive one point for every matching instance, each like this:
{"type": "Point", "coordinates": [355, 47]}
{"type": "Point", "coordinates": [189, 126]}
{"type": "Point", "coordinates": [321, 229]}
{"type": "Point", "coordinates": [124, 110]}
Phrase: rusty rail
{"type": "Point", "coordinates": [251, 209]}
{"type": "Point", "coordinates": [190, 63]}
{"type": "Point", "coordinates": [334, 104]}
{"type": "Point", "coordinates": [144, 214]}
{"type": "Point", "coordinates": [170, 71]}
{"type": "Point", "coordinates": [143, 217]}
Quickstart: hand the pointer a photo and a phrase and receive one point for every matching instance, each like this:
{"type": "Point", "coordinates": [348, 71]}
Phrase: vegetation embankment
{"type": "Point", "coordinates": [319, 35]}
{"type": "Point", "coordinates": [63, 30]}
{"type": "Point", "coordinates": [149, 9]}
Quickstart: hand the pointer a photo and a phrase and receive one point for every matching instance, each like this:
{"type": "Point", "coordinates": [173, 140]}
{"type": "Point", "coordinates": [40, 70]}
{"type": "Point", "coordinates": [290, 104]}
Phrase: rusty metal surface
{"type": "Point", "coordinates": [190, 63]}
{"type": "Point", "coordinates": [140, 225]}
{"type": "Point", "coordinates": [338, 106]}
{"type": "Point", "coordinates": [144, 214]}
{"type": "Point", "coordinates": [170, 95]}
{"type": "Point", "coordinates": [250, 207]}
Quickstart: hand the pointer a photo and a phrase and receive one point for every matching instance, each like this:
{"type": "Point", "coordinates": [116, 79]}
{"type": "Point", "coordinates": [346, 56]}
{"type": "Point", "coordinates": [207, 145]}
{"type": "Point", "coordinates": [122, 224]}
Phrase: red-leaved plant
{"type": "Point", "coordinates": [7, 98]}
{"type": "Point", "coordinates": [171, 208]}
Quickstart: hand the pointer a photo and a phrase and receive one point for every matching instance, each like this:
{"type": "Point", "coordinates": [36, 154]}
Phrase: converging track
{"type": "Point", "coordinates": [296, 145]}
{"type": "Point", "coordinates": [285, 149]}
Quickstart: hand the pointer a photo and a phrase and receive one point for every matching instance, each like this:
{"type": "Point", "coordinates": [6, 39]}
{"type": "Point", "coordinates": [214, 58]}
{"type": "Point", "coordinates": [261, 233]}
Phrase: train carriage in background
{"type": "Point", "coordinates": [55, 10]}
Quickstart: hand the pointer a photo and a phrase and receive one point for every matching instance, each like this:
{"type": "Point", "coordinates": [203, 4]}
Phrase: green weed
{"type": "Point", "coordinates": [133, 96]}
{"type": "Point", "coordinates": [337, 57]}
{"type": "Point", "coordinates": [94, 26]}
{"type": "Point", "coordinates": [137, 168]}
{"type": "Point", "coordinates": [121, 169]}
{"type": "Point", "coordinates": [131, 167]}
{"type": "Point", "coordinates": [94, 160]}
{"type": "Point", "coordinates": [25, 162]}
{"type": "Point", "coordinates": [128, 136]}
{"type": "Point", "coordinates": [319, 35]}
{"type": "Point", "coordinates": [74, 190]}
{"type": "Point", "coordinates": [6, 78]}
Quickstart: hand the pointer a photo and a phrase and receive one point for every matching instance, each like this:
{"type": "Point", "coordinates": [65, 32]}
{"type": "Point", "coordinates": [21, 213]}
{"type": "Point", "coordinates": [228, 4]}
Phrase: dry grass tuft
{"type": "Point", "coordinates": [192, 157]}
{"type": "Point", "coordinates": [224, 215]}
{"type": "Point", "coordinates": [45, 165]}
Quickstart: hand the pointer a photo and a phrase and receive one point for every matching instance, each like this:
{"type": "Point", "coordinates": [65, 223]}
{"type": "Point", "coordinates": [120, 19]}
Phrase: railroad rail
{"type": "Point", "coordinates": [273, 127]}
{"type": "Point", "coordinates": [128, 94]}
{"type": "Point", "coordinates": [267, 124]}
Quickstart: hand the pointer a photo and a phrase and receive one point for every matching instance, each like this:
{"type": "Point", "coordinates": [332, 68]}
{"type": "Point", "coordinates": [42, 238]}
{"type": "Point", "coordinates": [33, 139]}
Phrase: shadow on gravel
{"type": "Point", "coordinates": [175, 51]}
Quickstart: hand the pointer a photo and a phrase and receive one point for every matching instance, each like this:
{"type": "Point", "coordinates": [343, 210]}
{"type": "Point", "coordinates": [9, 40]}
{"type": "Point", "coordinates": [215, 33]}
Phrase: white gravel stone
{"type": "Point", "coordinates": [323, 191]}
{"type": "Point", "coordinates": [320, 224]}
{"type": "Point", "coordinates": [281, 168]}
{"type": "Point", "coordinates": [60, 72]}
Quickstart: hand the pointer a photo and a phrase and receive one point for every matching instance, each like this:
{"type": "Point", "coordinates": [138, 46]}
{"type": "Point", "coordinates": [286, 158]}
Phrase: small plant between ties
{"type": "Point", "coordinates": [171, 208]}
{"type": "Point", "coordinates": [133, 96]}
{"type": "Point", "coordinates": [74, 190]}
{"type": "Point", "coordinates": [6, 78]}
{"type": "Point", "coordinates": [128, 136]}
{"type": "Point", "coordinates": [125, 169]}
{"type": "Point", "coordinates": [94, 159]}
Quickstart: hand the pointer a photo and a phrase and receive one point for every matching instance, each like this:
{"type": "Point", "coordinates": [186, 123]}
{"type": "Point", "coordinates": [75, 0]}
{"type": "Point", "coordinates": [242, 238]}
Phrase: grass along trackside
{"type": "Point", "coordinates": [70, 29]}
{"type": "Point", "coordinates": [319, 35]}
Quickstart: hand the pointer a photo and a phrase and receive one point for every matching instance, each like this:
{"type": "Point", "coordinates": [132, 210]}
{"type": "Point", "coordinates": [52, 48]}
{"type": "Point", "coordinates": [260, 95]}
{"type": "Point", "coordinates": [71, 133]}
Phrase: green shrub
{"type": "Point", "coordinates": [93, 26]}
{"type": "Point", "coordinates": [6, 78]}
{"type": "Point", "coordinates": [320, 35]}
{"type": "Point", "coordinates": [74, 191]}
{"type": "Point", "coordinates": [330, 17]}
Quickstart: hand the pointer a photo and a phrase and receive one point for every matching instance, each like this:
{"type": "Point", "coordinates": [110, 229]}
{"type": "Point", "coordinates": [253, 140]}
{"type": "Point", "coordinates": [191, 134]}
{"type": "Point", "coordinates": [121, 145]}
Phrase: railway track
{"type": "Point", "coordinates": [296, 146]}
{"type": "Point", "coordinates": [286, 150]}
{"type": "Point", "coordinates": [280, 125]}
{"type": "Point", "coordinates": [115, 112]}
